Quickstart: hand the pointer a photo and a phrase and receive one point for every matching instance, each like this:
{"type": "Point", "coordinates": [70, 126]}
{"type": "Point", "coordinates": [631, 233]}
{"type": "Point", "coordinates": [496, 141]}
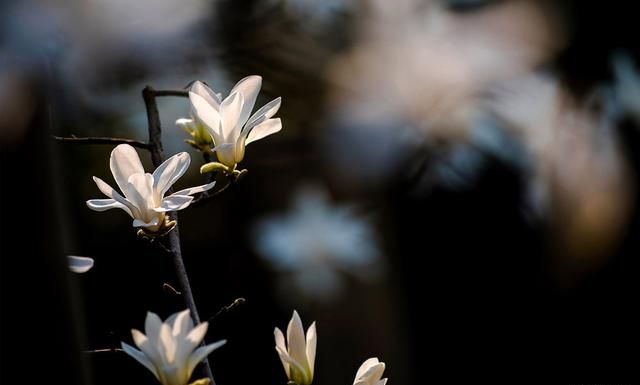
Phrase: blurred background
{"type": "Point", "coordinates": [453, 190]}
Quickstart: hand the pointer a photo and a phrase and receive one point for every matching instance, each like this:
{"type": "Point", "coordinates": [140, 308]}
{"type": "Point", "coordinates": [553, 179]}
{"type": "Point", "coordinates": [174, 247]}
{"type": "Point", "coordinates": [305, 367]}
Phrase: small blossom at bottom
{"type": "Point", "coordinates": [168, 349]}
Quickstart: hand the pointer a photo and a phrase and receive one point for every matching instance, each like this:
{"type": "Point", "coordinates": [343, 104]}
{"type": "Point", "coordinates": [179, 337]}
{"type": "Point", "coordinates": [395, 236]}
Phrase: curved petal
{"type": "Point", "coordinates": [111, 193]}
{"type": "Point", "coordinates": [264, 129]}
{"type": "Point", "coordinates": [281, 347]}
{"type": "Point", "coordinates": [206, 93]}
{"type": "Point", "coordinates": [140, 357]}
{"type": "Point", "coordinates": [296, 339]}
{"type": "Point", "coordinates": [365, 366]}
{"type": "Point", "coordinates": [174, 203]}
{"type": "Point", "coordinates": [285, 357]}
{"type": "Point", "coordinates": [107, 204]}
{"type": "Point", "coordinates": [195, 190]}
{"type": "Point", "coordinates": [124, 162]}
{"type": "Point", "coordinates": [200, 354]}
{"type": "Point", "coordinates": [80, 264]}
{"type": "Point", "coordinates": [148, 348]}
{"type": "Point", "coordinates": [264, 113]}
{"type": "Point", "coordinates": [382, 382]}
{"type": "Point", "coordinates": [139, 191]}
{"type": "Point", "coordinates": [230, 111]}
{"type": "Point", "coordinates": [207, 115]}
{"type": "Point", "coordinates": [249, 88]}
{"type": "Point", "coordinates": [312, 340]}
{"type": "Point", "coordinates": [197, 334]}
{"type": "Point", "coordinates": [169, 172]}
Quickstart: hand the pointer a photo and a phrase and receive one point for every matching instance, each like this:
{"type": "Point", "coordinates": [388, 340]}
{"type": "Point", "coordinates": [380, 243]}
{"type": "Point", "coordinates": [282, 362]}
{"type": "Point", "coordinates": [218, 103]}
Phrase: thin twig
{"type": "Point", "coordinates": [207, 196]}
{"type": "Point", "coordinates": [106, 350]}
{"type": "Point", "coordinates": [155, 147]}
{"type": "Point", "coordinates": [237, 302]}
{"type": "Point", "coordinates": [101, 140]}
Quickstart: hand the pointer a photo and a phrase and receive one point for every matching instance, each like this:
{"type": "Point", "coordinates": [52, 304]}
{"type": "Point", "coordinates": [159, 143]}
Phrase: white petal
{"type": "Point", "coordinates": [148, 348]}
{"type": "Point", "coordinates": [372, 374]}
{"type": "Point", "coordinates": [139, 191]}
{"type": "Point", "coordinates": [168, 344]}
{"type": "Point", "coordinates": [140, 357]}
{"type": "Point", "coordinates": [382, 382]}
{"type": "Point", "coordinates": [281, 347]}
{"type": "Point", "coordinates": [185, 124]}
{"type": "Point", "coordinates": [152, 325]}
{"type": "Point", "coordinates": [230, 110]}
{"type": "Point", "coordinates": [169, 172]}
{"type": "Point", "coordinates": [285, 357]}
{"type": "Point", "coordinates": [197, 334]}
{"type": "Point", "coordinates": [200, 355]}
{"type": "Point", "coordinates": [80, 264]}
{"type": "Point", "coordinates": [140, 223]}
{"type": "Point", "coordinates": [207, 94]}
{"type": "Point", "coordinates": [124, 162]}
{"type": "Point", "coordinates": [264, 113]}
{"type": "Point", "coordinates": [249, 88]}
{"type": "Point", "coordinates": [174, 203]}
{"type": "Point", "coordinates": [111, 193]}
{"type": "Point", "coordinates": [366, 365]}
{"type": "Point", "coordinates": [264, 129]}
{"type": "Point", "coordinates": [181, 323]}
{"type": "Point", "coordinates": [195, 190]}
{"type": "Point", "coordinates": [296, 340]}
{"type": "Point", "coordinates": [207, 115]}
{"type": "Point", "coordinates": [226, 154]}
{"type": "Point", "coordinates": [107, 204]}
{"type": "Point", "coordinates": [312, 340]}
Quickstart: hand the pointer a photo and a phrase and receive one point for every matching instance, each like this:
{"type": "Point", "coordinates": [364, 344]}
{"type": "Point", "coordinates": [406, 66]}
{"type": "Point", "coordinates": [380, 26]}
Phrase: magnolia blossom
{"type": "Point", "coordinates": [227, 120]}
{"type": "Point", "coordinates": [168, 349]}
{"type": "Point", "coordinates": [299, 357]}
{"type": "Point", "coordinates": [370, 373]}
{"type": "Point", "coordinates": [80, 264]}
{"type": "Point", "coordinates": [316, 242]}
{"type": "Point", "coordinates": [144, 198]}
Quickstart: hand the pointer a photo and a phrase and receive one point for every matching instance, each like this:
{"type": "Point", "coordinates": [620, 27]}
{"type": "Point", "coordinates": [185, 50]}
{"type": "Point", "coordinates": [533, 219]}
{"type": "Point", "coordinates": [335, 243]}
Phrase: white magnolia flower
{"type": "Point", "coordinates": [144, 198]}
{"type": "Point", "coordinates": [80, 264]}
{"type": "Point", "coordinates": [316, 242]}
{"type": "Point", "coordinates": [370, 373]}
{"type": "Point", "coordinates": [228, 121]}
{"type": "Point", "coordinates": [168, 349]}
{"type": "Point", "coordinates": [299, 357]}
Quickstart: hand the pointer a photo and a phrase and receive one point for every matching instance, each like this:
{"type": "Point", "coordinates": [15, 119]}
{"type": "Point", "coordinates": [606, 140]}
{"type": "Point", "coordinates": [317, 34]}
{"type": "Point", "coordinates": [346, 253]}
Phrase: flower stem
{"type": "Point", "coordinates": [157, 157]}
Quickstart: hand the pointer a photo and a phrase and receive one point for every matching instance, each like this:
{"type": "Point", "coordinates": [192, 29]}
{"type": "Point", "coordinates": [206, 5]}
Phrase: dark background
{"type": "Point", "coordinates": [469, 294]}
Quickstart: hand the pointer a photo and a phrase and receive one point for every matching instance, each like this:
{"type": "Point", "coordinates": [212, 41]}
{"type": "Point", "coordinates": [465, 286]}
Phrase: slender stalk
{"type": "Point", "coordinates": [101, 140]}
{"type": "Point", "coordinates": [157, 156]}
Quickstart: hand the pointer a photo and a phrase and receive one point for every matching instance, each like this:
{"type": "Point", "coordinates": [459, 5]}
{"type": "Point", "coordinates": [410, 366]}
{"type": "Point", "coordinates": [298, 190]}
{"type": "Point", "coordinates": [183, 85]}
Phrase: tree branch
{"type": "Point", "coordinates": [157, 156]}
{"type": "Point", "coordinates": [101, 140]}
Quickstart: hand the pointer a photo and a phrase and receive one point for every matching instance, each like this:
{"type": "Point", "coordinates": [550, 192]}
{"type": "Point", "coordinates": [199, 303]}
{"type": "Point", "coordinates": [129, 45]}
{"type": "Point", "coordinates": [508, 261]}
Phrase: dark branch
{"type": "Point", "coordinates": [101, 140]}
{"type": "Point", "coordinates": [157, 157]}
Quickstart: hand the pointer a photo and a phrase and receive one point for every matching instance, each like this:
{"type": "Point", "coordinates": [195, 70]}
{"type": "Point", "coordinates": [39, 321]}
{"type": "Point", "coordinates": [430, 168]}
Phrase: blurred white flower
{"type": "Point", "coordinates": [314, 240]}
{"type": "Point", "coordinates": [168, 349]}
{"type": "Point", "coordinates": [228, 121]}
{"type": "Point", "coordinates": [298, 358]}
{"type": "Point", "coordinates": [370, 373]}
{"type": "Point", "coordinates": [627, 86]}
{"type": "Point", "coordinates": [144, 198]}
{"type": "Point", "coordinates": [80, 264]}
